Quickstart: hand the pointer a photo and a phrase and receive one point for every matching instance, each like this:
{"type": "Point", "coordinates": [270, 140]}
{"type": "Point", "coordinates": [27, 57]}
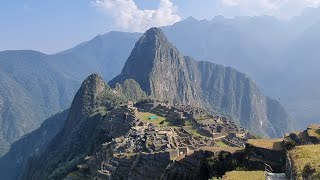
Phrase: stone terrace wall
{"type": "Point", "coordinates": [289, 168]}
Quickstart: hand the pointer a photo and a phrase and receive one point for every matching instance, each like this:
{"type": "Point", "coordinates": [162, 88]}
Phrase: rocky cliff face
{"type": "Point", "coordinates": [159, 68]}
{"type": "Point", "coordinates": [86, 100]}
{"type": "Point", "coordinates": [164, 73]}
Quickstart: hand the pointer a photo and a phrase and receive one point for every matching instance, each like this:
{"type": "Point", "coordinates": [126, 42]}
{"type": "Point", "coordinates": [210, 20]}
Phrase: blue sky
{"type": "Point", "coordinates": [52, 26]}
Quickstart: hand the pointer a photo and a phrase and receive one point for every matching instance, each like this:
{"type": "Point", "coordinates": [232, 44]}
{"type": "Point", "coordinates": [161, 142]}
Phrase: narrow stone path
{"type": "Point", "coordinates": [276, 176]}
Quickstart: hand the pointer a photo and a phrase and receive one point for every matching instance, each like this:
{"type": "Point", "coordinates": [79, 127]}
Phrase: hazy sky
{"type": "Point", "coordinates": [54, 25]}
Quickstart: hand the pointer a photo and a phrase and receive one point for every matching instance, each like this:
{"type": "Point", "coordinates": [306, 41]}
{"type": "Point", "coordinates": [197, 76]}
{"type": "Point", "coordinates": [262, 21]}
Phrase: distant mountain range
{"type": "Point", "coordinates": [281, 57]}
{"type": "Point", "coordinates": [156, 67]}
{"type": "Point", "coordinates": [35, 143]}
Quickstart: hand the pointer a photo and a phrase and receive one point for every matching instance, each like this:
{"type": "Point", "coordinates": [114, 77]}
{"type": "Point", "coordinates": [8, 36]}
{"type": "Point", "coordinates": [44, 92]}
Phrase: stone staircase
{"type": "Point", "coordinates": [276, 176]}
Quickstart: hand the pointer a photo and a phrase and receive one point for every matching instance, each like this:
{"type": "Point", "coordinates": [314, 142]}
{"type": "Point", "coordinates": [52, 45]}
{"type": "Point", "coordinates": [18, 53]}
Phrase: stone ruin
{"type": "Point", "coordinates": [136, 144]}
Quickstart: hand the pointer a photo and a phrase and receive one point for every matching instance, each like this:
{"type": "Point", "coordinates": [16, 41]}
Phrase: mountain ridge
{"type": "Point", "coordinates": [15, 161]}
{"type": "Point", "coordinates": [168, 75]}
{"type": "Point", "coordinates": [254, 43]}
{"type": "Point", "coordinates": [35, 85]}
{"type": "Point", "coordinates": [81, 133]}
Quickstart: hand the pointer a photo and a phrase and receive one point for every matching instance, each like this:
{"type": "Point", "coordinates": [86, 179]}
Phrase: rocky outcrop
{"type": "Point", "coordinates": [85, 100]}
{"type": "Point", "coordinates": [82, 133]}
{"type": "Point", "coordinates": [131, 90]}
{"type": "Point", "coordinates": [165, 74]}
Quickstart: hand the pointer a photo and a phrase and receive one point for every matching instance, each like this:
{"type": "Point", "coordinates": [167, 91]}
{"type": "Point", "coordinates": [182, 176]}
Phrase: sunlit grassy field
{"type": "Point", "coordinates": [144, 116]}
{"type": "Point", "coordinates": [302, 155]}
{"type": "Point", "coordinates": [274, 144]}
{"type": "Point", "coordinates": [244, 175]}
{"type": "Point", "coordinates": [188, 126]}
{"type": "Point", "coordinates": [222, 144]}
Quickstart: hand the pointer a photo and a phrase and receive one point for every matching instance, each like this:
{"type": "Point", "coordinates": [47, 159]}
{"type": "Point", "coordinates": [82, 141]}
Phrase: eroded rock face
{"type": "Point", "coordinates": [86, 99]}
{"type": "Point", "coordinates": [165, 74]}
{"type": "Point", "coordinates": [81, 133]}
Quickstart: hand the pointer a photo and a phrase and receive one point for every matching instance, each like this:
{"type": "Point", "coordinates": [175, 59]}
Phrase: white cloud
{"type": "Point", "coordinates": [279, 8]}
{"type": "Point", "coordinates": [127, 16]}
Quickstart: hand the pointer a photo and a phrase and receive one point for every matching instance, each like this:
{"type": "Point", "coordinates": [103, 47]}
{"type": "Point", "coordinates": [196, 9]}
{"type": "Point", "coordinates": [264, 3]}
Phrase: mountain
{"type": "Point", "coordinates": [13, 164]}
{"type": "Point", "coordinates": [302, 75]}
{"type": "Point", "coordinates": [81, 133]}
{"type": "Point", "coordinates": [107, 137]}
{"type": "Point", "coordinates": [104, 54]}
{"type": "Point", "coordinates": [165, 74]}
{"type": "Point", "coordinates": [276, 54]}
{"type": "Point", "coordinates": [15, 161]}
{"type": "Point", "coordinates": [30, 91]}
{"type": "Point", "coordinates": [131, 90]}
{"type": "Point", "coordinates": [35, 86]}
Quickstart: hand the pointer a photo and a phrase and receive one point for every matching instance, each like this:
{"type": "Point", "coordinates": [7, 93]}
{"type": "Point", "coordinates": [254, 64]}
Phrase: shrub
{"type": "Point", "coordinates": [308, 171]}
{"type": "Point", "coordinates": [289, 144]}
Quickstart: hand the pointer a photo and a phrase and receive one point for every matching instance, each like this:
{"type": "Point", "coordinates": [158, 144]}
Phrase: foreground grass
{"type": "Point", "coordinates": [244, 175]}
{"type": "Point", "coordinates": [303, 155]}
{"type": "Point", "coordinates": [273, 144]}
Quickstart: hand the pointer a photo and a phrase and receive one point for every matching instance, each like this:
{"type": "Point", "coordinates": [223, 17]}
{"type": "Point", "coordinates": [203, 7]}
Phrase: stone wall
{"type": "Point", "coordinates": [258, 156]}
{"type": "Point", "coordinates": [289, 168]}
{"type": "Point", "coordinates": [188, 167]}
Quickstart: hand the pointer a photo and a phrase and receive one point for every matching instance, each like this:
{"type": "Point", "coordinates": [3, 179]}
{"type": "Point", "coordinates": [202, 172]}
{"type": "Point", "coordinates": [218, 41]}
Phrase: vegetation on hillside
{"type": "Point", "coordinates": [306, 161]}
{"type": "Point", "coordinates": [131, 90]}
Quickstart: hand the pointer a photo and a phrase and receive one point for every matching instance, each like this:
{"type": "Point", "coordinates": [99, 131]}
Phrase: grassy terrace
{"type": "Point", "coordinates": [222, 144]}
{"type": "Point", "coordinates": [303, 155]}
{"type": "Point", "coordinates": [273, 144]}
{"type": "Point", "coordinates": [188, 126]}
{"type": "Point", "coordinates": [218, 149]}
{"type": "Point", "coordinates": [162, 121]}
{"type": "Point", "coordinates": [144, 116]}
{"type": "Point", "coordinates": [247, 175]}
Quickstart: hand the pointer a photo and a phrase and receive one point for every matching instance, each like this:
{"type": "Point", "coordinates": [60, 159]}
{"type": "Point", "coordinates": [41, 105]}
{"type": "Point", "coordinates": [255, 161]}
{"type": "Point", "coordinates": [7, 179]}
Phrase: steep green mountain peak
{"type": "Point", "coordinates": [165, 74]}
{"type": "Point", "coordinates": [86, 99]}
